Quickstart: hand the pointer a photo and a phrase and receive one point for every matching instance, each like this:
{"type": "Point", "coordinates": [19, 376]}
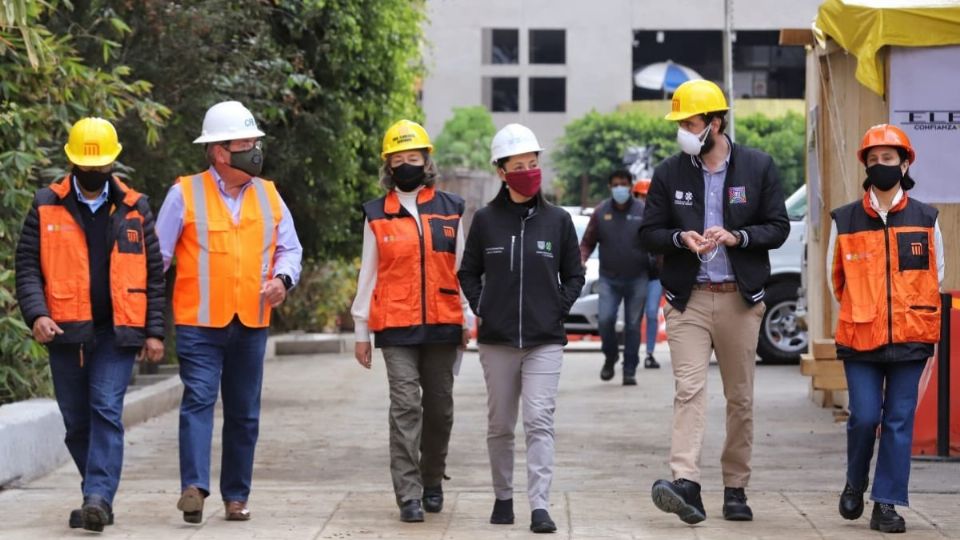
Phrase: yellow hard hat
{"type": "Point", "coordinates": [696, 97]}
{"type": "Point", "coordinates": [405, 135]}
{"type": "Point", "coordinates": [92, 143]}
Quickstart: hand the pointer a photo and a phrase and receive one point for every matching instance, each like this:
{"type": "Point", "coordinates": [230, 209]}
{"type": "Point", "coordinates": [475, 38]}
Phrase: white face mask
{"type": "Point", "coordinates": [691, 143]}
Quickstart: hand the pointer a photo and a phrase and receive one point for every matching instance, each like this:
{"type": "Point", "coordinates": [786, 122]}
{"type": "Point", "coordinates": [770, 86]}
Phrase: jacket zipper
{"type": "Point", "coordinates": [513, 240]}
{"type": "Point", "coordinates": [886, 241]}
{"type": "Point", "coordinates": [423, 276]}
{"type": "Point", "coordinates": [523, 225]}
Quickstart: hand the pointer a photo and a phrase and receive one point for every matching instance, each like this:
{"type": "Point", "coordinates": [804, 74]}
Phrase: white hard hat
{"type": "Point", "coordinates": [227, 121]}
{"type": "Point", "coordinates": [513, 140]}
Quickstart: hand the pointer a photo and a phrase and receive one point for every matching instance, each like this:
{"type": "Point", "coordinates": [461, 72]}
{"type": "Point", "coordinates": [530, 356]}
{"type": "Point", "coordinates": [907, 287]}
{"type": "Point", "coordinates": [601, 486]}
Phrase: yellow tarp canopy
{"type": "Point", "coordinates": [863, 27]}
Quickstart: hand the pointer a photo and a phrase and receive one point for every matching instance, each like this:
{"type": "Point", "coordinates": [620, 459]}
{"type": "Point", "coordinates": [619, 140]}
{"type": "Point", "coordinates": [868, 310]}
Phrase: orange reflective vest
{"type": "Point", "coordinates": [885, 278]}
{"type": "Point", "coordinates": [65, 265]}
{"type": "Point", "coordinates": [222, 264]}
{"type": "Point", "coordinates": [417, 295]}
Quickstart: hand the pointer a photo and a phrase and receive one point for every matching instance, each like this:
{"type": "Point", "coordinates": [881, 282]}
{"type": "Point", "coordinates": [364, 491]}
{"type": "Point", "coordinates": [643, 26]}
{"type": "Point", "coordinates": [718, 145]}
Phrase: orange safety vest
{"type": "Point", "coordinates": [885, 278]}
{"type": "Point", "coordinates": [65, 264]}
{"type": "Point", "coordinates": [222, 264]}
{"type": "Point", "coordinates": [417, 286]}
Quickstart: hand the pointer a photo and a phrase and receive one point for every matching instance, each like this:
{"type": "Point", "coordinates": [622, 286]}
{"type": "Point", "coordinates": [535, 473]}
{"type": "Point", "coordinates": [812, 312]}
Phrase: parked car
{"type": "Point", "coordinates": [782, 338]}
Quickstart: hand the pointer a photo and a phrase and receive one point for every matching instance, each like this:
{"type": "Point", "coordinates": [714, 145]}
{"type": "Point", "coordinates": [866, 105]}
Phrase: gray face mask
{"type": "Point", "coordinates": [249, 161]}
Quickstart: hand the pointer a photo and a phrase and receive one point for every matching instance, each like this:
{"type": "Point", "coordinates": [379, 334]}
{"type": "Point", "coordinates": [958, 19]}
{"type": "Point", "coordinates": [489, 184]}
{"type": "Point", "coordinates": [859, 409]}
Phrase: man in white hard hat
{"type": "Point", "coordinates": [237, 255]}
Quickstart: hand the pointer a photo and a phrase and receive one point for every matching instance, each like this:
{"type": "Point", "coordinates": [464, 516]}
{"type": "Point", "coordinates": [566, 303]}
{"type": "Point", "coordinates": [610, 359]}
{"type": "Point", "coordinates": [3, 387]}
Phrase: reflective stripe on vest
{"type": "Point", "coordinates": [218, 278]}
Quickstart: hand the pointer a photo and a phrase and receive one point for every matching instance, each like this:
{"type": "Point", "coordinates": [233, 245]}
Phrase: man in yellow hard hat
{"type": "Point", "coordinates": [714, 210]}
{"type": "Point", "coordinates": [90, 285]}
{"type": "Point", "coordinates": [237, 255]}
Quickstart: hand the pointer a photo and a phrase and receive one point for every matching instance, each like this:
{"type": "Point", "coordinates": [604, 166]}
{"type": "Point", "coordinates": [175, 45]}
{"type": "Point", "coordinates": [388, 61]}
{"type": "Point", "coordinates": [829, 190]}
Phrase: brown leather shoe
{"type": "Point", "coordinates": [191, 504]}
{"type": "Point", "coordinates": [237, 510]}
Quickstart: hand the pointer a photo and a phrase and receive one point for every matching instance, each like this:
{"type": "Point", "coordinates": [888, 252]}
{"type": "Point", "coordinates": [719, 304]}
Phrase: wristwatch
{"type": "Point", "coordinates": [285, 279]}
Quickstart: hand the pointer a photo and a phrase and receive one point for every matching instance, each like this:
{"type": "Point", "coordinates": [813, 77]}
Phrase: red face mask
{"type": "Point", "coordinates": [526, 183]}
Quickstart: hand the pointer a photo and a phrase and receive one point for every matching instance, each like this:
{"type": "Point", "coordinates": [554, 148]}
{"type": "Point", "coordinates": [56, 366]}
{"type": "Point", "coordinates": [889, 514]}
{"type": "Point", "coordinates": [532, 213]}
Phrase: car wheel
{"type": "Point", "coordinates": [782, 338]}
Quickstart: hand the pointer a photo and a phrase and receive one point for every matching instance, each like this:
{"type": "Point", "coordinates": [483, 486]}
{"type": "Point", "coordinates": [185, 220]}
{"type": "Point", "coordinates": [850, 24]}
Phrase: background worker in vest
{"type": "Point", "coordinates": [408, 295]}
{"type": "Point", "coordinates": [237, 255]}
{"type": "Point", "coordinates": [81, 233]}
{"type": "Point", "coordinates": [521, 272]}
{"type": "Point", "coordinates": [713, 212]}
{"type": "Point", "coordinates": [886, 251]}
{"type": "Point", "coordinates": [651, 310]}
{"type": "Point", "coordinates": [624, 273]}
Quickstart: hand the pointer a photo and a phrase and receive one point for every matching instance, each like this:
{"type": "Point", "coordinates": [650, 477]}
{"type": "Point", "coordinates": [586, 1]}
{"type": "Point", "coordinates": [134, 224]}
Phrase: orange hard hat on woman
{"type": "Point", "coordinates": [885, 135]}
{"type": "Point", "coordinates": [641, 187]}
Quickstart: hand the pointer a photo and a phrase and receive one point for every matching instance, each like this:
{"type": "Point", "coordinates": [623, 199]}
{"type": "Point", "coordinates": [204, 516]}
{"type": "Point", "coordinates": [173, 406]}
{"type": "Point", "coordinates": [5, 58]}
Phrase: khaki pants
{"type": "Point", "coordinates": [419, 428]}
{"type": "Point", "coordinates": [723, 322]}
{"type": "Point", "coordinates": [530, 376]}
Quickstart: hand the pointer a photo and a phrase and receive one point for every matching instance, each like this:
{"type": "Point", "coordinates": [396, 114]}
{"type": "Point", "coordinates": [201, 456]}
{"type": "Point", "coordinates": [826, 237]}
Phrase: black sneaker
{"type": "Point", "coordinates": [650, 362]}
{"type": "Point", "coordinates": [76, 519]}
{"type": "Point", "coordinates": [540, 522]}
{"type": "Point", "coordinates": [433, 499]}
{"type": "Point", "coordinates": [95, 513]}
{"type": "Point", "coordinates": [735, 506]}
{"type": "Point", "coordinates": [629, 380]}
{"type": "Point", "coordinates": [606, 373]}
{"type": "Point", "coordinates": [411, 511]}
{"type": "Point", "coordinates": [886, 519]}
{"type": "Point", "coordinates": [680, 497]}
{"type": "Point", "coordinates": [851, 502]}
{"type": "Point", "coordinates": [502, 512]}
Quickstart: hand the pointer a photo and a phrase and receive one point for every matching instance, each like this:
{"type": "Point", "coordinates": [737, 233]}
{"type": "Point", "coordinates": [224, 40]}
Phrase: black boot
{"type": "Point", "coordinates": [606, 373]}
{"type": "Point", "coordinates": [96, 513]}
{"type": "Point", "coordinates": [433, 499]}
{"type": "Point", "coordinates": [851, 502]}
{"type": "Point", "coordinates": [411, 511]}
{"type": "Point", "coordinates": [540, 522]}
{"type": "Point", "coordinates": [76, 518]}
{"type": "Point", "coordinates": [650, 362]}
{"type": "Point", "coordinates": [680, 497]}
{"type": "Point", "coordinates": [735, 506]}
{"type": "Point", "coordinates": [629, 380]}
{"type": "Point", "coordinates": [502, 512]}
{"type": "Point", "coordinates": [886, 519]}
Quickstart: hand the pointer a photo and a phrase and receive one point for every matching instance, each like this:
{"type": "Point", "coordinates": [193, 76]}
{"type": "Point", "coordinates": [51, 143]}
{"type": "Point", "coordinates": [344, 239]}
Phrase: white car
{"type": "Point", "coordinates": [781, 339]}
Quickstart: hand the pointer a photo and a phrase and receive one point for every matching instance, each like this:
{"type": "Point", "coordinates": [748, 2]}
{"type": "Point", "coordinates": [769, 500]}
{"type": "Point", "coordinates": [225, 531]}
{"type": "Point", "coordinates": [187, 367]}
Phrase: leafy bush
{"type": "Point", "coordinates": [321, 300]}
{"type": "Point", "coordinates": [465, 139]}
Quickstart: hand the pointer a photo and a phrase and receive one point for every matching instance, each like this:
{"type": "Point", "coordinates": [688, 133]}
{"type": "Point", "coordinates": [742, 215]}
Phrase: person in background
{"type": "Point", "coordinates": [624, 273]}
{"type": "Point", "coordinates": [521, 273]}
{"type": "Point", "coordinates": [885, 334]}
{"type": "Point", "coordinates": [409, 296]}
{"type": "Point", "coordinates": [90, 284]}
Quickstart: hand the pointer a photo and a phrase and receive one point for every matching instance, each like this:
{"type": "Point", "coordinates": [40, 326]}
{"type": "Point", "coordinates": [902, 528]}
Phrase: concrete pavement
{"type": "Point", "coordinates": [322, 466]}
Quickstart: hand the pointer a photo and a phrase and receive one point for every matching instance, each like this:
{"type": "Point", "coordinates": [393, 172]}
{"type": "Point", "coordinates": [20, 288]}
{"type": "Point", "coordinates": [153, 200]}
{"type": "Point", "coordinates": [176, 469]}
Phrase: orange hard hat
{"type": "Point", "coordinates": [641, 187]}
{"type": "Point", "coordinates": [885, 135]}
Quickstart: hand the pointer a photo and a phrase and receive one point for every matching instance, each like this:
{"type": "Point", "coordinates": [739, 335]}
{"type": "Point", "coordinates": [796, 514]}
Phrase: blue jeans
{"type": "Point", "coordinates": [91, 402]}
{"type": "Point", "coordinates": [652, 313]}
{"type": "Point", "coordinates": [229, 359]}
{"type": "Point", "coordinates": [891, 407]}
{"type": "Point", "coordinates": [633, 294]}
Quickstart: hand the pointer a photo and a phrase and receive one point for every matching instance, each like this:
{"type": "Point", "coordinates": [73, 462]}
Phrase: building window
{"type": "Point", "coordinates": [548, 47]}
{"type": "Point", "coordinates": [548, 94]}
{"type": "Point", "coordinates": [501, 46]}
{"type": "Point", "coordinates": [501, 94]}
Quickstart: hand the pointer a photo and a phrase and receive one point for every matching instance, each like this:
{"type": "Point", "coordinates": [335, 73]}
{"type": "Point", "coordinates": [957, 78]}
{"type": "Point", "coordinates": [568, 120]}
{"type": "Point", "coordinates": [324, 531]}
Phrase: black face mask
{"type": "Point", "coordinates": [408, 177]}
{"type": "Point", "coordinates": [91, 180]}
{"type": "Point", "coordinates": [249, 161]}
{"type": "Point", "coordinates": [884, 177]}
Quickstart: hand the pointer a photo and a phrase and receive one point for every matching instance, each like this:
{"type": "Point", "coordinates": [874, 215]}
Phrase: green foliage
{"type": "Point", "coordinates": [321, 299]}
{"type": "Point", "coordinates": [465, 139]}
{"type": "Point", "coordinates": [593, 145]}
{"type": "Point", "coordinates": [44, 88]}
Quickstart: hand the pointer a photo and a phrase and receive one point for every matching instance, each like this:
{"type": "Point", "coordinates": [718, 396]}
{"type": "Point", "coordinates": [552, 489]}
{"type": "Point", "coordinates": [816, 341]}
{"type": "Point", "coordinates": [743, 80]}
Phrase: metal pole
{"type": "Point", "coordinates": [728, 62]}
{"type": "Point", "coordinates": [943, 378]}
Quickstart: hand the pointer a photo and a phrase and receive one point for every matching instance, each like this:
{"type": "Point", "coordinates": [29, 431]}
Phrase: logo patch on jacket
{"type": "Point", "coordinates": [683, 198]}
{"type": "Point", "coordinates": [449, 231]}
{"type": "Point", "coordinates": [545, 248]}
{"type": "Point", "coordinates": [914, 250]}
{"type": "Point", "coordinates": [737, 195]}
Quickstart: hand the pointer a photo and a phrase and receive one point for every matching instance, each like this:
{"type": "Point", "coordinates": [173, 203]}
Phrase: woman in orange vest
{"type": "Point", "coordinates": [409, 297]}
{"type": "Point", "coordinates": [887, 255]}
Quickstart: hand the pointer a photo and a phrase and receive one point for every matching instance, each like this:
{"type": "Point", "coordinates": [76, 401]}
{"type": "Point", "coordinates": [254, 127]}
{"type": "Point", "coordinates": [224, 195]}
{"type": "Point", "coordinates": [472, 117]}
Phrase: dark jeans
{"type": "Point", "coordinates": [890, 406]}
{"type": "Point", "coordinates": [633, 294]}
{"type": "Point", "coordinates": [652, 313]}
{"type": "Point", "coordinates": [90, 397]}
{"type": "Point", "coordinates": [229, 359]}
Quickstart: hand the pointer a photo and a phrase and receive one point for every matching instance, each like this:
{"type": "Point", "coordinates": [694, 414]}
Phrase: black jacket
{"type": "Point", "coordinates": [30, 280]}
{"type": "Point", "coordinates": [753, 204]}
{"type": "Point", "coordinates": [617, 231]}
{"type": "Point", "coordinates": [521, 272]}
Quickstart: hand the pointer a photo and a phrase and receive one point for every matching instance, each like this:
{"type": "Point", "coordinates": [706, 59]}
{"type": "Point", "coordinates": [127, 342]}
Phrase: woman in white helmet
{"type": "Point", "coordinates": [521, 272]}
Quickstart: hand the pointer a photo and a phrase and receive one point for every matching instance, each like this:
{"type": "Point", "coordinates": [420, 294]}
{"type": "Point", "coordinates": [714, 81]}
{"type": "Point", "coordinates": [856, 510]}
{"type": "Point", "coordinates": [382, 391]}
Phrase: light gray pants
{"type": "Point", "coordinates": [531, 376]}
{"type": "Point", "coordinates": [419, 427]}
